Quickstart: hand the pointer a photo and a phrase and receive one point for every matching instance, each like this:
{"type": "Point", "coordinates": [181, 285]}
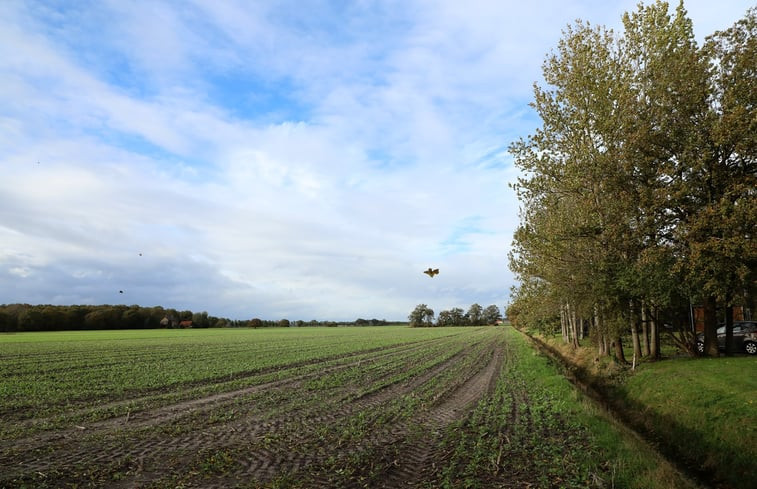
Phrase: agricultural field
{"type": "Point", "coordinates": [303, 408]}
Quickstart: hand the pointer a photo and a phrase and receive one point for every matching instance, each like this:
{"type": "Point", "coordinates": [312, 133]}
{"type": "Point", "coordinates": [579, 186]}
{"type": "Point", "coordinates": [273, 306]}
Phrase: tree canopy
{"type": "Point", "coordinates": [638, 190]}
{"type": "Point", "coordinates": [476, 315]}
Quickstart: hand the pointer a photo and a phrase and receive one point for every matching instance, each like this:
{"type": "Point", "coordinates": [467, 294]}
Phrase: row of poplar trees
{"type": "Point", "coordinates": [638, 192]}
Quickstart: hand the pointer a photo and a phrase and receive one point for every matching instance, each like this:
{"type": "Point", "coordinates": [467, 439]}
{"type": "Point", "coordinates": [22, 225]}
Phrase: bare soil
{"type": "Point", "coordinates": [281, 433]}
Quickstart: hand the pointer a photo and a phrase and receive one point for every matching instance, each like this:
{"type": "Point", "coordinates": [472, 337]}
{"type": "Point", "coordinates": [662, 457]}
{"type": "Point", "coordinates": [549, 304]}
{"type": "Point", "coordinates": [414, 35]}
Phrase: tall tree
{"type": "Point", "coordinates": [722, 253]}
{"type": "Point", "coordinates": [452, 317]}
{"type": "Point", "coordinates": [668, 130]}
{"type": "Point", "coordinates": [573, 234]}
{"type": "Point", "coordinates": [491, 314]}
{"type": "Point", "coordinates": [475, 315]}
{"type": "Point", "coordinates": [638, 189]}
{"type": "Point", "coordinates": [422, 315]}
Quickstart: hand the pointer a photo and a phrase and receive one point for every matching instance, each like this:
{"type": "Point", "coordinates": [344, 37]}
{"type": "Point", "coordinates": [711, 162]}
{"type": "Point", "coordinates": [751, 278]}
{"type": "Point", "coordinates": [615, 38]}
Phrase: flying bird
{"type": "Point", "coordinates": [431, 272]}
{"type": "Point", "coordinates": [120, 291]}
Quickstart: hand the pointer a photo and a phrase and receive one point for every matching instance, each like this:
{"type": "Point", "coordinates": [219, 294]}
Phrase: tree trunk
{"type": "Point", "coordinates": [654, 347]}
{"type": "Point", "coordinates": [568, 335]}
{"type": "Point", "coordinates": [644, 330]}
{"type": "Point", "coordinates": [617, 344]}
{"type": "Point", "coordinates": [564, 323]}
{"type": "Point", "coordinates": [602, 348]}
{"type": "Point", "coordinates": [601, 345]}
{"type": "Point", "coordinates": [573, 329]}
{"type": "Point", "coordinates": [634, 319]}
{"type": "Point", "coordinates": [710, 328]}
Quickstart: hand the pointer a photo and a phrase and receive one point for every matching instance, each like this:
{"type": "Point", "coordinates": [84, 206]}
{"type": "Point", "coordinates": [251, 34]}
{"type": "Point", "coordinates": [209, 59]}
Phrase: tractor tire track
{"type": "Point", "coordinates": [102, 446]}
{"type": "Point", "coordinates": [447, 407]}
{"type": "Point", "coordinates": [187, 387]}
{"type": "Point", "coordinates": [172, 412]}
{"type": "Point", "coordinates": [416, 460]}
{"type": "Point", "coordinates": [266, 462]}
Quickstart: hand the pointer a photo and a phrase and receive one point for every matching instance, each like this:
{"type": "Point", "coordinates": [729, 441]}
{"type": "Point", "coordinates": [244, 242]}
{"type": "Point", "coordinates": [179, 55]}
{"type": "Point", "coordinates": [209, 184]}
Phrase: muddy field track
{"type": "Point", "coordinates": [191, 390]}
{"type": "Point", "coordinates": [449, 408]}
{"type": "Point", "coordinates": [303, 422]}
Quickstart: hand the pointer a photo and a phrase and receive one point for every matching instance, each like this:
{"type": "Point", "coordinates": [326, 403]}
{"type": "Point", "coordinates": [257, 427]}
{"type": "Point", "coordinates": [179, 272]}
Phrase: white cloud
{"type": "Point", "coordinates": [22, 272]}
{"type": "Point", "coordinates": [256, 159]}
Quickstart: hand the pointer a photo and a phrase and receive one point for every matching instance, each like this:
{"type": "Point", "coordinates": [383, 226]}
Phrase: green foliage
{"type": "Point", "coordinates": [422, 315]}
{"type": "Point", "coordinates": [639, 186]}
{"type": "Point", "coordinates": [26, 317]}
{"type": "Point", "coordinates": [491, 314]}
{"type": "Point", "coordinates": [476, 316]}
{"type": "Point", "coordinates": [534, 307]}
{"type": "Point", "coordinates": [453, 317]}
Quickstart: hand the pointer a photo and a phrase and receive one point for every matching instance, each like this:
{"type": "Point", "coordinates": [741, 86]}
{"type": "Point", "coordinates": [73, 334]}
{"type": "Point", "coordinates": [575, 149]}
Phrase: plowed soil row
{"type": "Point", "coordinates": [189, 390]}
{"type": "Point", "coordinates": [151, 408]}
{"type": "Point", "coordinates": [368, 419]}
{"type": "Point", "coordinates": [475, 409]}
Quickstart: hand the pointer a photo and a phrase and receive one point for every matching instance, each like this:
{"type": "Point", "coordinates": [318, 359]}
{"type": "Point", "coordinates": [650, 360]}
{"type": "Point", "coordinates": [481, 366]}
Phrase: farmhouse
{"type": "Point", "coordinates": [173, 322]}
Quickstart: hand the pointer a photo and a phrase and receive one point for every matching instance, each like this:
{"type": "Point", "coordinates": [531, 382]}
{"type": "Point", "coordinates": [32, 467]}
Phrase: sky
{"type": "Point", "coordinates": [299, 159]}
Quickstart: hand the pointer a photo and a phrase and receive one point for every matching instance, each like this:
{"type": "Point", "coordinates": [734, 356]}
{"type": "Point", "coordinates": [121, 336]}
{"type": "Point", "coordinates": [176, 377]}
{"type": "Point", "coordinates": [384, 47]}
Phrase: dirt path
{"type": "Point", "coordinates": [180, 441]}
{"type": "Point", "coordinates": [173, 411]}
{"type": "Point", "coordinates": [397, 450]}
{"type": "Point", "coordinates": [417, 459]}
{"type": "Point", "coordinates": [265, 462]}
{"type": "Point", "coordinates": [185, 393]}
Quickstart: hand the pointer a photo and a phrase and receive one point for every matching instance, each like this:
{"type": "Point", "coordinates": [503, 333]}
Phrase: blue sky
{"type": "Point", "coordinates": [289, 159]}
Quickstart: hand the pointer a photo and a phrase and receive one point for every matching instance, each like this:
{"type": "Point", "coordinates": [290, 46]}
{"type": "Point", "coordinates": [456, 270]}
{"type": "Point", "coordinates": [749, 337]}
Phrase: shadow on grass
{"type": "Point", "coordinates": [693, 452]}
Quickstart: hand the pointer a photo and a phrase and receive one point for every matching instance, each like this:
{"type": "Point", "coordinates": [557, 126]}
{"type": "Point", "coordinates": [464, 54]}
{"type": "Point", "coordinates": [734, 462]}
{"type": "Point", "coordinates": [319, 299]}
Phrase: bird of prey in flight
{"type": "Point", "coordinates": [431, 272]}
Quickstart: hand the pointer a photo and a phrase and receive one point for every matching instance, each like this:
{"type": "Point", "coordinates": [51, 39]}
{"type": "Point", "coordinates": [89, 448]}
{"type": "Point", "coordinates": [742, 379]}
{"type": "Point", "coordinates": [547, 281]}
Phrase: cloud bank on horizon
{"type": "Point", "coordinates": [301, 160]}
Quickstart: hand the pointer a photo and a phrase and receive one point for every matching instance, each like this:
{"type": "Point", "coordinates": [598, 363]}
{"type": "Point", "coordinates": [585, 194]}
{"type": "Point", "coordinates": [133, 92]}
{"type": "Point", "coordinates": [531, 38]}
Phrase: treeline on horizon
{"type": "Point", "coordinates": [28, 317]}
{"type": "Point", "coordinates": [423, 316]}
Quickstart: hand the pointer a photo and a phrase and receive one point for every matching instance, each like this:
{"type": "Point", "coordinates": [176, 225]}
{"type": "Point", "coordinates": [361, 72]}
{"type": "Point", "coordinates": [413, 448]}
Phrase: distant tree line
{"type": "Point", "coordinates": [639, 192]}
{"type": "Point", "coordinates": [26, 317]}
{"type": "Point", "coordinates": [286, 323]}
{"type": "Point", "coordinates": [423, 316]}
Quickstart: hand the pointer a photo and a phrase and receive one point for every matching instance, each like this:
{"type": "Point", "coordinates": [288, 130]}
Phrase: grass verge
{"type": "Point", "coordinates": [700, 412]}
{"type": "Point", "coordinates": [536, 430]}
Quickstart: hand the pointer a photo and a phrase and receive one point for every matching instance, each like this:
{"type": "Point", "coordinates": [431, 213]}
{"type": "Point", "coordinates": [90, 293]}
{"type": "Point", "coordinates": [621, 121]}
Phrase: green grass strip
{"type": "Point", "coordinates": [537, 429]}
{"type": "Point", "coordinates": [706, 409]}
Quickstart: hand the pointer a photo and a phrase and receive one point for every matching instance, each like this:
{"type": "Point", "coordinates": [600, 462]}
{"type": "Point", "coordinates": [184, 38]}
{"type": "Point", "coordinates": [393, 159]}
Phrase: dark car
{"type": "Point", "coordinates": [744, 338]}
